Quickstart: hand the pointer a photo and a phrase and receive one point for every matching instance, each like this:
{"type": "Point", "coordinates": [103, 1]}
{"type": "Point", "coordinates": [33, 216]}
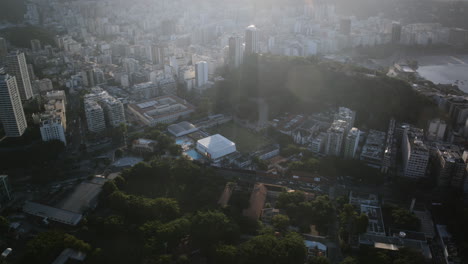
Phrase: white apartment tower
{"type": "Point", "coordinates": [94, 116]}
{"type": "Point", "coordinates": [251, 40]}
{"type": "Point", "coordinates": [114, 111]}
{"type": "Point", "coordinates": [235, 52]}
{"type": "Point", "coordinates": [11, 110]}
{"type": "Point", "coordinates": [201, 73]}
{"type": "Point", "coordinates": [52, 129]}
{"type": "Point", "coordinates": [16, 66]}
{"type": "Point", "coordinates": [351, 143]}
{"type": "Point", "coordinates": [415, 155]}
{"type": "Point", "coordinates": [335, 138]}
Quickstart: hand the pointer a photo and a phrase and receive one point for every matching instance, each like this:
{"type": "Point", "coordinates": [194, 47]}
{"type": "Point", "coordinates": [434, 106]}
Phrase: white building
{"type": "Point", "coordinates": [235, 52]}
{"type": "Point", "coordinates": [351, 143]}
{"type": "Point", "coordinates": [11, 110]}
{"type": "Point", "coordinates": [215, 147]}
{"type": "Point", "coordinates": [318, 144]}
{"type": "Point", "coordinates": [415, 155]}
{"type": "Point", "coordinates": [201, 73]}
{"type": "Point", "coordinates": [335, 136]}
{"type": "Point", "coordinates": [103, 109]}
{"type": "Point", "coordinates": [251, 40]}
{"type": "Point", "coordinates": [94, 116]}
{"type": "Point", "coordinates": [16, 66]}
{"type": "Point", "coordinates": [52, 129]}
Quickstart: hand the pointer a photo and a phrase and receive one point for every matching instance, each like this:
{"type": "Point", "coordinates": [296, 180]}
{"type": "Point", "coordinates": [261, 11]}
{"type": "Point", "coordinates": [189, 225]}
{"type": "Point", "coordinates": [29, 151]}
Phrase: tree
{"type": "Point", "coordinates": [211, 227]}
{"type": "Point", "coordinates": [405, 219]}
{"type": "Point", "coordinates": [280, 222]}
{"type": "Point", "coordinates": [267, 248]}
{"type": "Point", "coordinates": [226, 254]}
{"type": "Point", "coordinates": [350, 260]}
{"type": "Point", "coordinates": [46, 246]}
{"type": "Point", "coordinates": [362, 223]}
{"type": "Point", "coordinates": [319, 260]}
{"type": "Point", "coordinates": [4, 225]}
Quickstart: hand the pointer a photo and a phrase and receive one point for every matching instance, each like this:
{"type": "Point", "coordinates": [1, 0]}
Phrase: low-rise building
{"type": "Point", "coordinates": [215, 147]}
{"type": "Point", "coordinates": [181, 129]}
{"type": "Point", "coordinates": [144, 145]}
{"type": "Point", "coordinates": [163, 109]}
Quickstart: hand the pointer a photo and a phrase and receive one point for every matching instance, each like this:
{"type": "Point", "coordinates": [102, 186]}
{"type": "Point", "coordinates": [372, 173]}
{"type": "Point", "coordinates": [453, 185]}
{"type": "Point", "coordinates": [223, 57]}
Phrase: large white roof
{"type": "Point", "coordinates": [216, 142]}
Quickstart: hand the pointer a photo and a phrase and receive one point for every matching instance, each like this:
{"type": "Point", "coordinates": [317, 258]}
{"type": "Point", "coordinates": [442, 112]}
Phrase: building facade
{"type": "Point", "coordinates": [16, 66]}
{"type": "Point", "coordinates": [201, 73]}
{"type": "Point", "coordinates": [351, 143]}
{"type": "Point", "coordinates": [52, 129]}
{"type": "Point", "coordinates": [11, 108]}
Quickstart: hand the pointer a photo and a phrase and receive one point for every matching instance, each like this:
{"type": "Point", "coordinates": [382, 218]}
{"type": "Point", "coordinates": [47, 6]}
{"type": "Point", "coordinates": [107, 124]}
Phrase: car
{"type": "Point", "coordinates": [6, 252]}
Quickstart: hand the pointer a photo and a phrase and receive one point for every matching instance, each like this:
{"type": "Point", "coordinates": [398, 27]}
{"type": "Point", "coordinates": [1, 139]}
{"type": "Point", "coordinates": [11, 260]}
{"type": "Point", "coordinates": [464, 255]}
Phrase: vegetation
{"type": "Point", "coordinates": [22, 36]}
{"type": "Point", "coordinates": [270, 249]}
{"type": "Point", "coordinates": [165, 211]}
{"type": "Point", "coordinates": [304, 213]}
{"type": "Point", "coordinates": [245, 139]}
{"type": "Point", "coordinates": [351, 223]}
{"type": "Point", "coordinates": [41, 158]}
{"type": "Point", "coordinates": [306, 85]}
{"type": "Point", "coordinates": [46, 246]}
{"type": "Point", "coordinates": [402, 218]}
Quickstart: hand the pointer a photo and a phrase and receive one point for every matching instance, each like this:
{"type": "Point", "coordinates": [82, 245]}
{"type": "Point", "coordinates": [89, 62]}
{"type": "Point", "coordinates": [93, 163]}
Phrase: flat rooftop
{"type": "Point", "coordinates": [161, 106]}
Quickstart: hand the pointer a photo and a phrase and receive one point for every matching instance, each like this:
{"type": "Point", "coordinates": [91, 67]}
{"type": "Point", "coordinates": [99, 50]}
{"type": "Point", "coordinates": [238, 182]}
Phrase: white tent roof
{"type": "Point", "coordinates": [216, 143]}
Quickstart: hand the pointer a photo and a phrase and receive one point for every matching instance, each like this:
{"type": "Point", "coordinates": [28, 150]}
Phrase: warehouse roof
{"type": "Point", "coordinates": [182, 128]}
{"type": "Point", "coordinates": [215, 142]}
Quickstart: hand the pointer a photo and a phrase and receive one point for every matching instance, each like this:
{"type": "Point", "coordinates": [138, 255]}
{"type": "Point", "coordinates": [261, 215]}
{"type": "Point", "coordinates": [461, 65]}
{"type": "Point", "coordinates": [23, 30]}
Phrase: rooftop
{"type": "Point", "coordinates": [215, 142]}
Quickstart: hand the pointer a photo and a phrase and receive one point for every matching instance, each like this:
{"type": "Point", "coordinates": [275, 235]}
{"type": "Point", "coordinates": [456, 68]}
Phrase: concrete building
{"type": "Point", "coordinates": [396, 32]}
{"type": "Point", "coordinates": [335, 136]}
{"type": "Point", "coordinates": [415, 154]}
{"type": "Point", "coordinates": [113, 111]}
{"type": "Point", "coordinates": [351, 143]}
{"type": "Point", "coordinates": [201, 73]}
{"type": "Point", "coordinates": [215, 147]}
{"type": "Point", "coordinates": [11, 109]}
{"type": "Point", "coordinates": [163, 109]}
{"type": "Point", "coordinates": [144, 91]}
{"type": "Point", "coordinates": [36, 45]}
{"type": "Point", "coordinates": [94, 116]}
{"type": "Point", "coordinates": [318, 144]}
{"type": "Point", "coordinates": [251, 40]}
{"type": "Point", "coordinates": [103, 110]}
{"type": "Point", "coordinates": [142, 145]}
{"type": "Point", "coordinates": [16, 66]}
{"type": "Point", "coordinates": [235, 52]}
{"type": "Point", "coordinates": [157, 54]}
{"type": "Point", "coordinates": [436, 130]}
{"type": "Point", "coordinates": [43, 85]}
{"type": "Point", "coordinates": [52, 129]}
{"type": "Point", "coordinates": [449, 167]}
{"type": "Point", "coordinates": [373, 150]}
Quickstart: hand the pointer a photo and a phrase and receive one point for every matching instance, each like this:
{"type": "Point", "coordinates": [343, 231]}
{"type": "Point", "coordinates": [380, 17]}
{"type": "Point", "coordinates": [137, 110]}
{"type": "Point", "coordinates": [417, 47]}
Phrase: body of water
{"type": "Point", "coordinates": [445, 70]}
